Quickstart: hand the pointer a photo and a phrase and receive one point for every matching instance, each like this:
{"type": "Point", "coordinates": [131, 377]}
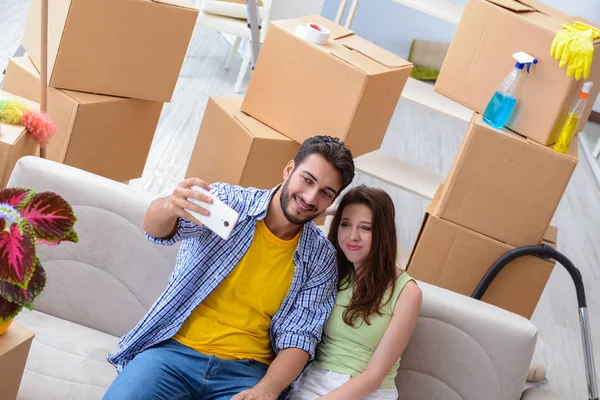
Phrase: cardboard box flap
{"type": "Point", "coordinates": [257, 128]}
{"type": "Point", "coordinates": [513, 5]}
{"type": "Point", "coordinates": [91, 98]}
{"type": "Point", "coordinates": [544, 9]}
{"type": "Point", "coordinates": [359, 61]}
{"type": "Point", "coordinates": [337, 31]}
{"type": "Point", "coordinates": [177, 3]}
{"type": "Point", "coordinates": [374, 52]}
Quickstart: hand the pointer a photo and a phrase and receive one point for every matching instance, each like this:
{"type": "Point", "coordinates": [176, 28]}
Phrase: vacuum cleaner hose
{"type": "Point", "coordinates": [548, 252]}
{"type": "Point", "coordinates": [543, 251]}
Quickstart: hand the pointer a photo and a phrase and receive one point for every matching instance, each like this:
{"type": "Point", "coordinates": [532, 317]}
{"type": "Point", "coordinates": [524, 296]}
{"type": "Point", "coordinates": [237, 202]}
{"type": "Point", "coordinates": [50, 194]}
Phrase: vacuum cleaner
{"type": "Point", "coordinates": [548, 252]}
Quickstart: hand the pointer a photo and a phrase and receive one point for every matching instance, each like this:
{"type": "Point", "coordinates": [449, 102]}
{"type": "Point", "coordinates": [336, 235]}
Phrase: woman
{"type": "Point", "coordinates": [376, 308]}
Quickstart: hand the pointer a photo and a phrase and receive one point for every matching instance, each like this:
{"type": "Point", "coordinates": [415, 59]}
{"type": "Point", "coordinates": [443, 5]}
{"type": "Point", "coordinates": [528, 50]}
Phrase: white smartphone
{"type": "Point", "coordinates": [222, 218]}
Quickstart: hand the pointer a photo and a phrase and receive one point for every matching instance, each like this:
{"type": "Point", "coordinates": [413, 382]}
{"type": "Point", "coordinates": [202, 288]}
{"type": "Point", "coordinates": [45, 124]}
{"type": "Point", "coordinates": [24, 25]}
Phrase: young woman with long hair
{"type": "Point", "coordinates": [376, 308]}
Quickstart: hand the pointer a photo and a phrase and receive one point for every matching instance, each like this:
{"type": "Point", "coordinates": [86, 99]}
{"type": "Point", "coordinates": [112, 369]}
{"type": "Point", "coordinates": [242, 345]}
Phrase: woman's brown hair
{"type": "Point", "coordinates": [378, 271]}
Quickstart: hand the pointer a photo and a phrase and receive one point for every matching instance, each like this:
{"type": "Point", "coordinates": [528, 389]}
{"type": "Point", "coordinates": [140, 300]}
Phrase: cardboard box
{"type": "Point", "coordinates": [125, 48]}
{"type": "Point", "coordinates": [15, 142]}
{"type": "Point", "coordinates": [108, 136]}
{"type": "Point", "coordinates": [480, 56]}
{"type": "Point", "coordinates": [456, 258]}
{"type": "Point", "coordinates": [505, 186]}
{"type": "Point", "coordinates": [14, 349]}
{"type": "Point", "coordinates": [235, 148]}
{"type": "Point", "coordinates": [348, 88]}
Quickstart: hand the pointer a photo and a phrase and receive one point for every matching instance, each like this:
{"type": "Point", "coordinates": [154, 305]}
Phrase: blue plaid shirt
{"type": "Point", "coordinates": [205, 259]}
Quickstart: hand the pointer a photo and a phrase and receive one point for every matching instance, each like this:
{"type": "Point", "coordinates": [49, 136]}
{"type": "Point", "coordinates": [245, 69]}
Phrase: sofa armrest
{"type": "Point", "coordinates": [464, 349]}
{"type": "Point", "coordinates": [113, 275]}
{"type": "Point", "coordinates": [535, 393]}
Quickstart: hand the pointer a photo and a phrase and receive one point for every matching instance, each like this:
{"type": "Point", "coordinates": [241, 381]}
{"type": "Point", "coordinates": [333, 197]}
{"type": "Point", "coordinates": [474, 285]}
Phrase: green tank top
{"type": "Point", "coordinates": [348, 350]}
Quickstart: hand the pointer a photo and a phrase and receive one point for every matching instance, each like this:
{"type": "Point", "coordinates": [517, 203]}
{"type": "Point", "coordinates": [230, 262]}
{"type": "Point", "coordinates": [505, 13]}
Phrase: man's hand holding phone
{"type": "Point", "coordinates": [179, 204]}
{"type": "Point", "coordinates": [191, 200]}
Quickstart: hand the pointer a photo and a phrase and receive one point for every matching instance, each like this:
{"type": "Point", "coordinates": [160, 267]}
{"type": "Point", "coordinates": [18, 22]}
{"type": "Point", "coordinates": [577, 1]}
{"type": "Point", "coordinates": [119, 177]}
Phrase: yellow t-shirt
{"type": "Point", "coordinates": [234, 321]}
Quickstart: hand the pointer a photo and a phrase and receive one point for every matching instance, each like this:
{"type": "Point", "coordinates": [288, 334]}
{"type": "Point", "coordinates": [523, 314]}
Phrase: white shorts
{"type": "Point", "coordinates": [315, 382]}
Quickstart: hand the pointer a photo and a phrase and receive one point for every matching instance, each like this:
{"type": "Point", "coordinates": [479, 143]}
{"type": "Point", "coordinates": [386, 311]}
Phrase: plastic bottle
{"type": "Point", "coordinates": [568, 129]}
{"type": "Point", "coordinates": [502, 104]}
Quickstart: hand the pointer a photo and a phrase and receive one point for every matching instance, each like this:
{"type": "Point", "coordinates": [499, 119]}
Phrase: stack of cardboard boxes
{"type": "Point", "coordinates": [505, 185]}
{"type": "Point", "coordinates": [347, 88]}
{"type": "Point", "coordinates": [111, 65]}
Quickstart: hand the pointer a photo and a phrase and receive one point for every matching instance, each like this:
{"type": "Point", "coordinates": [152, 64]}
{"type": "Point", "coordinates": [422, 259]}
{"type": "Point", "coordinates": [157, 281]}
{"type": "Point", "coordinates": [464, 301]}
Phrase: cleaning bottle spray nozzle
{"type": "Point", "coordinates": [524, 59]}
{"type": "Point", "coordinates": [585, 90]}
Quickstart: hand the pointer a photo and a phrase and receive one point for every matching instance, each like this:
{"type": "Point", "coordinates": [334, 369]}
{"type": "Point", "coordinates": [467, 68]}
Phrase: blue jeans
{"type": "Point", "coordinates": [172, 371]}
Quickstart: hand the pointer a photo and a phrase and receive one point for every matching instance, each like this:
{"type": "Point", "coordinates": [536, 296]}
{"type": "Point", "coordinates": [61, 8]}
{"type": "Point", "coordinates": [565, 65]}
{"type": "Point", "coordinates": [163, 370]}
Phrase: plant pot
{"type": "Point", "coordinates": [4, 326]}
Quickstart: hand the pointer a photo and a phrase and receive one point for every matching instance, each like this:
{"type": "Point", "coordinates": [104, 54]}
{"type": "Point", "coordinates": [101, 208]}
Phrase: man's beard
{"type": "Point", "coordinates": [284, 201]}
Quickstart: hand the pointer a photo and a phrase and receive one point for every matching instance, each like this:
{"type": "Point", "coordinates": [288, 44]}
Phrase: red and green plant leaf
{"type": "Point", "coordinates": [16, 197]}
{"type": "Point", "coordinates": [69, 237]}
{"type": "Point", "coordinates": [51, 216]}
{"type": "Point", "coordinates": [17, 254]}
{"type": "Point", "coordinates": [8, 310]}
{"type": "Point", "coordinates": [25, 297]}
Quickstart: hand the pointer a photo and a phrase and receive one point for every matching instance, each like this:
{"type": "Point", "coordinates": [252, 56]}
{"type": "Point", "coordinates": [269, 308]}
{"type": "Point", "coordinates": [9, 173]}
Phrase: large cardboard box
{"type": "Point", "coordinates": [347, 88]}
{"type": "Point", "coordinates": [127, 48]}
{"type": "Point", "coordinates": [14, 349]}
{"type": "Point", "coordinates": [456, 258]}
{"type": "Point", "coordinates": [108, 136]}
{"type": "Point", "coordinates": [15, 142]}
{"type": "Point", "coordinates": [480, 56]}
{"type": "Point", "coordinates": [505, 186]}
{"type": "Point", "coordinates": [235, 148]}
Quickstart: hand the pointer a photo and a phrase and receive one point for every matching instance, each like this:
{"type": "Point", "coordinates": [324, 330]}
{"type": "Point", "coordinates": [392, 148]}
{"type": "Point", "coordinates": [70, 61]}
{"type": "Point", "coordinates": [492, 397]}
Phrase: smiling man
{"type": "Point", "coordinates": [240, 318]}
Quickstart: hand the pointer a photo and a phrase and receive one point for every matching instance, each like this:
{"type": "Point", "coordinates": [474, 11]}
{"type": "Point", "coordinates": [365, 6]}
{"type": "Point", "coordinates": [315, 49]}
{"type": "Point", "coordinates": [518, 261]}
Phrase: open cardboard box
{"type": "Point", "coordinates": [480, 56]}
{"type": "Point", "coordinates": [456, 258]}
{"type": "Point", "coordinates": [347, 88]}
{"type": "Point", "coordinates": [235, 148]}
{"type": "Point", "coordinates": [128, 48]}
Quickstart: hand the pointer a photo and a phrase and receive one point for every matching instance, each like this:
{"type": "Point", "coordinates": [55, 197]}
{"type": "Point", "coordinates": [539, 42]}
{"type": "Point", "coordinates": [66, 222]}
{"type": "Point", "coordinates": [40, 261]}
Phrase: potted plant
{"type": "Point", "coordinates": [26, 220]}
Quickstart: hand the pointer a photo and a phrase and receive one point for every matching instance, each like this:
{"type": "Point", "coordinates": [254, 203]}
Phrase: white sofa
{"type": "Point", "coordinates": [98, 289]}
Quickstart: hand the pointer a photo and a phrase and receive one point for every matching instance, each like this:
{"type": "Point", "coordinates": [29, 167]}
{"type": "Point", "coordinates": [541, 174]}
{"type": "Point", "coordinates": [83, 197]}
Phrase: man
{"type": "Point", "coordinates": [239, 318]}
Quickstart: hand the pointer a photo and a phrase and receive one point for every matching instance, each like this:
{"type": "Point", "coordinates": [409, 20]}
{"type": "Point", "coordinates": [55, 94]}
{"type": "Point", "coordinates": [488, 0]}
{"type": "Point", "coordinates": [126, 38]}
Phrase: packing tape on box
{"type": "Point", "coordinates": [313, 33]}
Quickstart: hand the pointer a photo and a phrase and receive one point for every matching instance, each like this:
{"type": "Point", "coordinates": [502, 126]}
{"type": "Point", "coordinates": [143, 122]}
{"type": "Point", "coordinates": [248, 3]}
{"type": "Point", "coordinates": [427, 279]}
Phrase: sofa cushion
{"type": "Point", "coordinates": [113, 275]}
{"type": "Point", "coordinates": [66, 360]}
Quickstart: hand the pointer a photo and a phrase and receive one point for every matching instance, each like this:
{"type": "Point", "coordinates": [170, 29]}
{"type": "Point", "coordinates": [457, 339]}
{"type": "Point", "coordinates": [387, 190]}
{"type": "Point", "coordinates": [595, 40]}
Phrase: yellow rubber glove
{"type": "Point", "coordinates": [560, 41]}
{"type": "Point", "coordinates": [574, 45]}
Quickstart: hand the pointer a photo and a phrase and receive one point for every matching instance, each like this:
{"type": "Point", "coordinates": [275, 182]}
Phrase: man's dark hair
{"type": "Point", "coordinates": [334, 151]}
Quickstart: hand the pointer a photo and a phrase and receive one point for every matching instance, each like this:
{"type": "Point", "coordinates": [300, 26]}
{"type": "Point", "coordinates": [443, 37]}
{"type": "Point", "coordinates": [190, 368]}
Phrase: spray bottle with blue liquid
{"type": "Point", "coordinates": [502, 104]}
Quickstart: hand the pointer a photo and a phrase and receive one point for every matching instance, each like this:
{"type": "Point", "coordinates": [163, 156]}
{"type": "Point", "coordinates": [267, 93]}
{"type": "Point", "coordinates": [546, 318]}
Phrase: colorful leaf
{"type": "Point", "coordinates": [16, 197]}
{"type": "Point", "coordinates": [8, 310]}
{"type": "Point", "coordinates": [17, 254]}
{"type": "Point", "coordinates": [25, 297]}
{"type": "Point", "coordinates": [51, 216]}
{"type": "Point", "coordinates": [69, 237]}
